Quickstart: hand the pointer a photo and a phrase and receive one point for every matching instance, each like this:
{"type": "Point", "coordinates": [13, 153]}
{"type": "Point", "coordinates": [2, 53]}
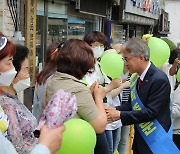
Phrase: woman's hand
{"type": "Point", "coordinates": [115, 83]}
{"type": "Point", "coordinates": [99, 92]}
{"type": "Point", "coordinates": [51, 138]}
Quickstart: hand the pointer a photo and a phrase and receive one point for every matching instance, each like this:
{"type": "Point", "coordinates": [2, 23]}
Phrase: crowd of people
{"type": "Point", "coordinates": [144, 96]}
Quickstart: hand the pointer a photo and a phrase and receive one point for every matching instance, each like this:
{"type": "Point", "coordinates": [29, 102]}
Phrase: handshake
{"type": "Point", "coordinates": [112, 114]}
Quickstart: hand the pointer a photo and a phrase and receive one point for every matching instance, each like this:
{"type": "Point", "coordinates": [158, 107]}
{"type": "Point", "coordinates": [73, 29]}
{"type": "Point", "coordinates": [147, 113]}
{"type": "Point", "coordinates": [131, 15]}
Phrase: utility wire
{"type": "Point", "coordinates": [13, 6]}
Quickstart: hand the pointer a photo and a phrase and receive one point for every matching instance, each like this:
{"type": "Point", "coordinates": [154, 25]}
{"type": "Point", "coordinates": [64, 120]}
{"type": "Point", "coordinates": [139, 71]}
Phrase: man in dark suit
{"type": "Point", "coordinates": [153, 90]}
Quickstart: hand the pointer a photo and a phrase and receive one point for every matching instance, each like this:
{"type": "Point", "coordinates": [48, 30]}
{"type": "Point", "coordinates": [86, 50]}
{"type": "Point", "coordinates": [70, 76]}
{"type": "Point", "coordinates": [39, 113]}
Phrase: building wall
{"type": "Point", "coordinates": [6, 26]}
{"type": "Point", "coordinates": [173, 7]}
{"type": "Point", "coordinates": [1, 15]}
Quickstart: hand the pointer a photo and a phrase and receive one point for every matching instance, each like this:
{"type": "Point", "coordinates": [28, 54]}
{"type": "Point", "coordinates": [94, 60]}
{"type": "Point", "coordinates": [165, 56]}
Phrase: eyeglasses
{"type": "Point", "coordinates": [127, 59]}
{"type": "Point", "coordinates": [3, 42]}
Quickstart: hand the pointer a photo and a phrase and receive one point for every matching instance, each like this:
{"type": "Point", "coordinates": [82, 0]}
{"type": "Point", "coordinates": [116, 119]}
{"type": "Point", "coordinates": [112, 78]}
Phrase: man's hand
{"type": "Point", "coordinates": [112, 114]}
{"type": "Point", "coordinates": [108, 107]}
{"type": "Point", "coordinates": [173, 69]}
{"type": "Point", "coordinates": [51, 138]}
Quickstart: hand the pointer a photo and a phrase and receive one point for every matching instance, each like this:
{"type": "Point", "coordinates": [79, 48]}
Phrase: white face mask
{"type": "Point", "coordinates": [22, 85]}
{"type": "Point", "coordinates": [7, 77]}
{"type": "Point", "coordinates": [98, 51]}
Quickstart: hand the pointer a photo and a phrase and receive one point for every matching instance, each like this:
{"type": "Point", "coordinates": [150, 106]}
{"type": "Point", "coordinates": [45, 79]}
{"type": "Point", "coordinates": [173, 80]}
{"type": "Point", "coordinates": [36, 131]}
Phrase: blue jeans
{"type": "Point", "coordinates": [123, 137]}
{"type": "Point", "coordinates": [101, 144]}
{"type": "Point", "coordinates": [112, 136]}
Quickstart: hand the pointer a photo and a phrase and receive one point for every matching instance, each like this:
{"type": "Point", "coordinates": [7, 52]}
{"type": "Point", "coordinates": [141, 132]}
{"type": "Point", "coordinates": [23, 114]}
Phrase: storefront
{"type": "Point", "coordinates": [135, 18]}
{"type": "Point", "coordinates": [46, 21]}
{"type": "Point", "coordinates": [162, 29]}
{"type": "Point", "coordinates": [59, 21]}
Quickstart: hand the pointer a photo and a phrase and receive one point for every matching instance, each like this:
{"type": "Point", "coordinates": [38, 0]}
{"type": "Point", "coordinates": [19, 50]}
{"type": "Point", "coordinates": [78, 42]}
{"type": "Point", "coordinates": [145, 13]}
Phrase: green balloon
{"type": "Point", "coordinates": [178, 75]}
{"type": "Point", "coordinates": [159, 51]}
{"type": "Point", "coordinates": [112, 64]}
{"type": "Point", "coordinates": [78, 138]}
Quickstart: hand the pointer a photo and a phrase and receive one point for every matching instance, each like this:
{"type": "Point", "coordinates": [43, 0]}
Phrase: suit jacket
{"type": "Point", "coordinates": [155, 96]}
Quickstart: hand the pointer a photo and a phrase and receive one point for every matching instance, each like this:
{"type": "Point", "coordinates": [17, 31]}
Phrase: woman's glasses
{"type": "Point", "coordinates": [3, 42]}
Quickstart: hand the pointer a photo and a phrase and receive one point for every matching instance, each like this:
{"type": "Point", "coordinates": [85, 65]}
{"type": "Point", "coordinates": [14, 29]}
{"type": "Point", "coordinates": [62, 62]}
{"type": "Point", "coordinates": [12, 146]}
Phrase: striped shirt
{"type": "Point", "coordinates": [125, 92]}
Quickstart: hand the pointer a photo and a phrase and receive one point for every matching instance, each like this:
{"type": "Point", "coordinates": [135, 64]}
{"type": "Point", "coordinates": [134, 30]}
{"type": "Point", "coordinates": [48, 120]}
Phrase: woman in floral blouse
{"type": "Point", "coordinates": [21, 121]}
{"type": "Point", "coordinates": [7, 51]}
{"type": "Point", "coordinates": [50, 139]}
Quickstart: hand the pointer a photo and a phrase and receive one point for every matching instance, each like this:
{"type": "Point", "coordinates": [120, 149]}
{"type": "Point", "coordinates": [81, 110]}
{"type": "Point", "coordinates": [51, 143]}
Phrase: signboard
{"type": "Point", "coordinates": [132, 18]}
{"type": "Point", "coordinates": [146, 8]}
{"type": "Point", "coordinates": [93, 7]}
{"type": "Point", "coordinates": [31, 37]}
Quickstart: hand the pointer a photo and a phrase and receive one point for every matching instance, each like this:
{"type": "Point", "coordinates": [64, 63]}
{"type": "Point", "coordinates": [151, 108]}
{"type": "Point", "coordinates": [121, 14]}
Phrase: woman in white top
{"type": "Point", "coordinates": [98, 41]}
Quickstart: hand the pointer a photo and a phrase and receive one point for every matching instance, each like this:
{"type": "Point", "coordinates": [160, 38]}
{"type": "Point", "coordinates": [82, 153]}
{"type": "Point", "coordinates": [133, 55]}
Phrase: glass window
{"type": "Point", "coordinates": [57, 30]}
{"type": "Point", "coordinates": [118, 34]}
{"type": "Point", "coordinates": [78, 28]}
{"type": "Point", "coordinates": [60, 30]}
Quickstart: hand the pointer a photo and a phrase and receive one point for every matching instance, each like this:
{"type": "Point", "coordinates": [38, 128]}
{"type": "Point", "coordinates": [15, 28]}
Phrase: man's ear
{"type": "Point", "coordinates": [142, 57]}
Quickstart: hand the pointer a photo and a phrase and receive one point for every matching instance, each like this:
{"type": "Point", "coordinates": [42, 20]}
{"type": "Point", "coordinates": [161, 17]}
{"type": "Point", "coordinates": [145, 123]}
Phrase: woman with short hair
{"type": "Point", "coordinates": [74, 60]}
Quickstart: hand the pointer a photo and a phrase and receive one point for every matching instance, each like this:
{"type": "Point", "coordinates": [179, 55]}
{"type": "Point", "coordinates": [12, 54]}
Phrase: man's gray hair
{"type": "Point", "coordinates": [136, 47]}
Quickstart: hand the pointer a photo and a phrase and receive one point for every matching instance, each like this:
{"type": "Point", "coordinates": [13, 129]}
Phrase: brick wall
{"type": "Point", "coordinates": [1, 15]}
{"type": "Point", "coordinates": [6, 23]}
